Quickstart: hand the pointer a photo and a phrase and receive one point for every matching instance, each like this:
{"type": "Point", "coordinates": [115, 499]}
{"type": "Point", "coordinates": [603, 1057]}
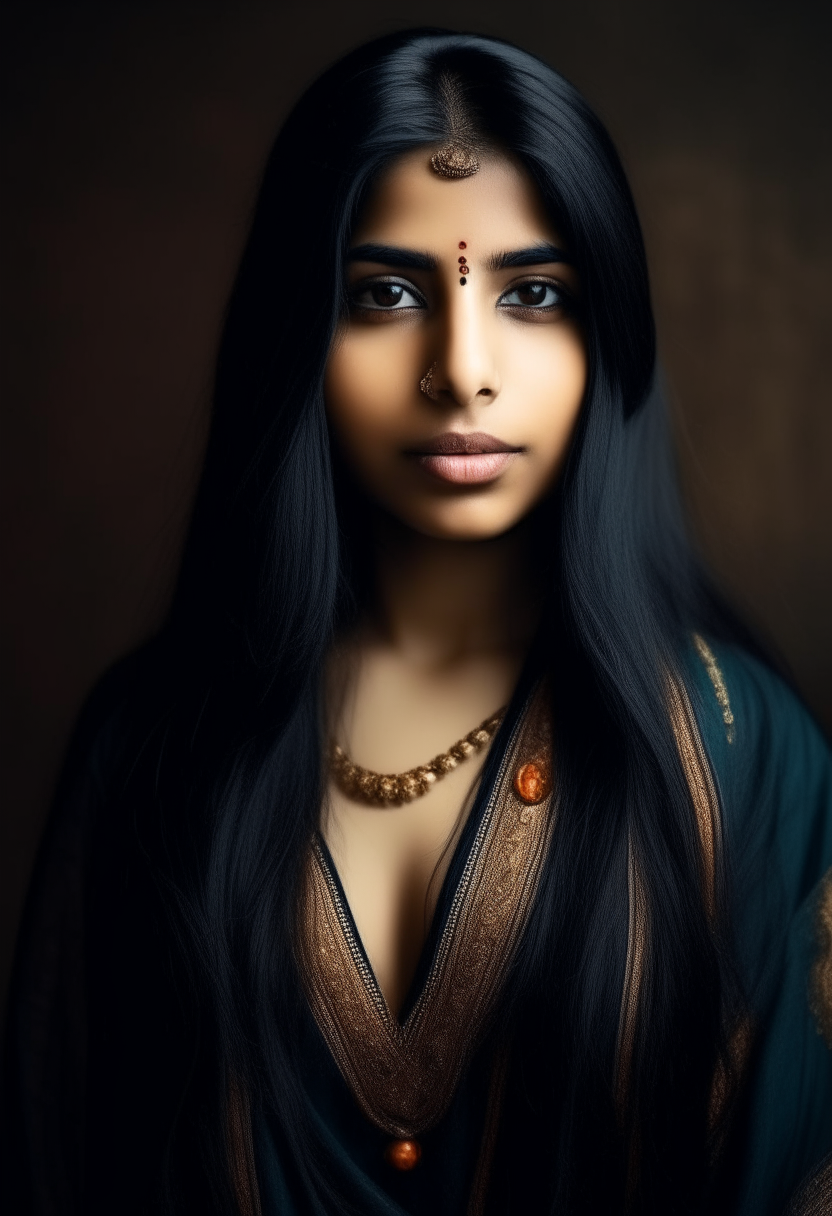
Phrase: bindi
{"type": "Point", "coordinates": [464, 268]}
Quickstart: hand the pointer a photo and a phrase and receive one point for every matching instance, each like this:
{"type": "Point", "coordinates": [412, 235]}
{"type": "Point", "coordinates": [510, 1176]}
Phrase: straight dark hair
{"type": "Point", "coordinates": [225, 790]}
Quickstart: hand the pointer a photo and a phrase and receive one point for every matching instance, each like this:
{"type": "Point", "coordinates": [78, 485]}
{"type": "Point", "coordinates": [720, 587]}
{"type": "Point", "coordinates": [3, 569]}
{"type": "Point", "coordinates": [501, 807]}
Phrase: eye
{"type": "Point", "coordinates": [385, 295]}
{"type": "Point", "coordinates": [535, 293]}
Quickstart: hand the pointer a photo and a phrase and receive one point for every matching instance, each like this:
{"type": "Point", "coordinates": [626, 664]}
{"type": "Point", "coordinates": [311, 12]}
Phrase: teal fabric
{"type": "Point", "coordinates": [354, 1148]}
{"type": "Point", "coordinates": [775, 786]}
{"type": "Point", "coordinates": [774, 780]}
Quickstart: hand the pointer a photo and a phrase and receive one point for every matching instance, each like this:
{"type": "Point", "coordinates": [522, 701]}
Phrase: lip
{"type": "Point", "coordinates": [464, 459]}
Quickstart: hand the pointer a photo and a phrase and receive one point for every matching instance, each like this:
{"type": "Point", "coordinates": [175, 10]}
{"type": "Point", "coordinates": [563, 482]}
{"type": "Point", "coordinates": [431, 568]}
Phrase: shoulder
{"type": "Point", "coordinates": [758, 733]}
{"type": "Point", "coordinates": [772, 767]}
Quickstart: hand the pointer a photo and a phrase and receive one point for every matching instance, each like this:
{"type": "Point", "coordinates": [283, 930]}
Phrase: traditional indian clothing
{"type": "Point", "coordinates": [437, 1089]}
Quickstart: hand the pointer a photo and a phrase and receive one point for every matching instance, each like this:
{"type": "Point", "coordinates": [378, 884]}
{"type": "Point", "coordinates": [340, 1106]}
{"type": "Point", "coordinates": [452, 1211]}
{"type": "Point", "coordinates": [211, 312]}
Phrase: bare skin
{"type": "Point", "coordinates": [457, 594]}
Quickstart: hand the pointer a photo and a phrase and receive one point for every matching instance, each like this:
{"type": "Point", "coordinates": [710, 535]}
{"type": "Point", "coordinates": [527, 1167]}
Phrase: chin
{"type": "Point", "coordinates": [464, 522]}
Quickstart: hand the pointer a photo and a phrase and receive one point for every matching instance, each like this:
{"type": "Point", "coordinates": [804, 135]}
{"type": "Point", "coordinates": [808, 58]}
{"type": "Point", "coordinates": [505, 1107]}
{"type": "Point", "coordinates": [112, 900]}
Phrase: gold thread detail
{"type": "Point", "coordinates": [633, 977]}
{"type": "Point", "coordinates": [814, 1195]}
{"type": "Point", "coordinates": [718, 680]}
{"type": "Point", "coordinates": [700, 782]}
{"type": "Point", "coordinates": [404, 1075]}
{"type": "Point", "coordinates": [820, 979]}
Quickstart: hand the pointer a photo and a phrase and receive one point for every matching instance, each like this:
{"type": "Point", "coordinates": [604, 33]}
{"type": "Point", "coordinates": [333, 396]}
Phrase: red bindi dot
{"type": "Point", "coordinates": [464, 269]}
{"type": "Point", "coordinates": [461, 260]}
{"type": "Point", "coordinates": [462, 245]}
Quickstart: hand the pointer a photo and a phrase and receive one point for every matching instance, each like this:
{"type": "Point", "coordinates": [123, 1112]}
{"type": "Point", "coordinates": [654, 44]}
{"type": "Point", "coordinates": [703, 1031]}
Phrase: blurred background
{"type": "Point", "coordinates": [133, 137]}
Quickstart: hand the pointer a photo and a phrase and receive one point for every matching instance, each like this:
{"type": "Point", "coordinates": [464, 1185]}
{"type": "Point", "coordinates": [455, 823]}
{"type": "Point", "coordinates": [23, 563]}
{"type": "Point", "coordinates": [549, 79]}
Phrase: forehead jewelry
{"type": "Point", "coordinates": [426, 384]}
{"type": "Point", "coordinates": [458, 157]}
{"type": "Point", "coordinates": [464, 268]}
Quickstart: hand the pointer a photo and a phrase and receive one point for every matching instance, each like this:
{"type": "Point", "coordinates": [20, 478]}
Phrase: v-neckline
{"type": "Point", "coordinates": [450, 883]}
{"type": "Point", "coordinates": [403, 1071]}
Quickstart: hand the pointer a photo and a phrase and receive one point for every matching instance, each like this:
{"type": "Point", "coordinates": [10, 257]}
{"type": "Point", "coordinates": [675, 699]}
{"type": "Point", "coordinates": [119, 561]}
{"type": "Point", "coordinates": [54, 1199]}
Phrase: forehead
{"type": "Point", "coordinates": [498, 207]}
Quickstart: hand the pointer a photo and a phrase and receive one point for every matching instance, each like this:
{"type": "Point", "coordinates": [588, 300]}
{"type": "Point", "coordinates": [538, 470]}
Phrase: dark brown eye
{"type": "Point", "coordinates": [386, 295]}
{"type": "Point", "coordinates": [534, 295]}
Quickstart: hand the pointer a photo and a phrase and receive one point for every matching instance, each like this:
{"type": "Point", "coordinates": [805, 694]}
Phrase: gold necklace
{"type": "Point", "coordinates": [384, 789]}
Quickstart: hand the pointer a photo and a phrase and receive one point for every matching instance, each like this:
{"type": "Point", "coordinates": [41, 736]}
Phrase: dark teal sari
{"type": "Point", "coordinates": [772, 772]}
{"type": "Point", "coordinates": [99, 1047]}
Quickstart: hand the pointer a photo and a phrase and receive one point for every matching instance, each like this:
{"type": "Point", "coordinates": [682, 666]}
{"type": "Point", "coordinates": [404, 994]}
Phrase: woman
{"type": "Point", "coordinates": [275, 961]}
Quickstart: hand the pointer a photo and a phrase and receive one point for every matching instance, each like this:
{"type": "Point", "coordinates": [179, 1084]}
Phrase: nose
{"type": "Point", "coordinates": [464, 371]}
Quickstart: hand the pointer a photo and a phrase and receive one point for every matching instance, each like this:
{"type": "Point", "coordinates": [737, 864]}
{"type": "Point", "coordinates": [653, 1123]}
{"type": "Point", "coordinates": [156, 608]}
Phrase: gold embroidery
{"type": "Point", "coordinates": [814, 1197]}
{"type": "Point", "coordinates": [718, 680]}
{"type": "Point", "coordinates": [703, 794]}
{"type": "Point", "coordinates": [633, 976]}
{"type": "Point", "coordinates": [820, 980]}
{"type": "Point", "coordinates": [241, 1151]}
{"type": "Point", "coordinates": [700, 783]}
{"type": "Point", "coordinates": [404, 1075]}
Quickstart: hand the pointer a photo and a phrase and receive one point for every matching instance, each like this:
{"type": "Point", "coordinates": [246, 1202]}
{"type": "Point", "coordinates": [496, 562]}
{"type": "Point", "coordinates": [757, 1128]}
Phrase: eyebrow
{"type": "Point", "coordinates": [392, 255]}
{"type": "Point", "coordinates": [535, 255]}
{"type": "Point", "coordinates": [411, 259]}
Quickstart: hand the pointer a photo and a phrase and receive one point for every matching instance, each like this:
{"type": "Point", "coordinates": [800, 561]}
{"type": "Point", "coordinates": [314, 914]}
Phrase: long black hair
{"type": "Point", "coordinates": [231, 749]}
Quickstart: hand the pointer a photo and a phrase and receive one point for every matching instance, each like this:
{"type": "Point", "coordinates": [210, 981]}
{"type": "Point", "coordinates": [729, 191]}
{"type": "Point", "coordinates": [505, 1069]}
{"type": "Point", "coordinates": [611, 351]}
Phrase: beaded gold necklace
{"type": "Point", "coordinates": [386, 789]}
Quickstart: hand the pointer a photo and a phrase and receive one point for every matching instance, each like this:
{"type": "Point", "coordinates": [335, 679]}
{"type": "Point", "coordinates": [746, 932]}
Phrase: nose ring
{"type": "Point", "coordinates": [426, 384]}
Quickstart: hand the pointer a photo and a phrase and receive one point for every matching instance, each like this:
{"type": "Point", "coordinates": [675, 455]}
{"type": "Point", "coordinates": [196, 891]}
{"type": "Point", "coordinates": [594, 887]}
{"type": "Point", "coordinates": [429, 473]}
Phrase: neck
{"type": "Point", "coordinates": [440, 602]}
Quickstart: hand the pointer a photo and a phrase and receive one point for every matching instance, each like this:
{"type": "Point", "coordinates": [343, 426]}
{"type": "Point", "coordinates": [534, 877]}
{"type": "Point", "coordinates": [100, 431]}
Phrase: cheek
{"type": "Point", "coordinates": [368, 386]}
{"type": "Point", "coordinates": [357, 401]}
{"type": "Point", "coordinates": [551, 381]}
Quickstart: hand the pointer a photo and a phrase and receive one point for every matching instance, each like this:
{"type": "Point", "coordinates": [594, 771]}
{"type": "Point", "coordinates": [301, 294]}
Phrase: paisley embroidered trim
{"type": "Point", "coordinates": [718, 680]}
{"type": "Point", "coordinates": [820, 979]}
{"type": "Point", "coordinates": [403, 1075]}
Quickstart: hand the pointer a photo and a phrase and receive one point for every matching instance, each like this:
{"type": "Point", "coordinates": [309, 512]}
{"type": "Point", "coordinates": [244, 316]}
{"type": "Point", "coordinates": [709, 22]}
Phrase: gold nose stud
{"type": "Point", "coordinates": [426, 384]}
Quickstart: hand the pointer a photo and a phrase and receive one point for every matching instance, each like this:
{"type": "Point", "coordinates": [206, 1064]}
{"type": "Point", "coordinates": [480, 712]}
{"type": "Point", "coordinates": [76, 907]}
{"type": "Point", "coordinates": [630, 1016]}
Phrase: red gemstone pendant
{"type": "Point", "coordinates": [403, 1154]}
{"type": "Point", "coordinates": [531, 784]}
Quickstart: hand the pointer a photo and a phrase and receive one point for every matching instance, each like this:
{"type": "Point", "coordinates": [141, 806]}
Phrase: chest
{"type": "Point", "coordinates": [392, 862]}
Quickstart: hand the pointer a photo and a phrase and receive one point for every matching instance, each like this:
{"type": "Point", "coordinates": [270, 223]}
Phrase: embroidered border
{"type": "Point", "coordinates": [820, 978]}
{"type": "Point", "coordinates": [814, 1196]}
{"type": "Point", "coordinates": [705, 801]}
{"type": "Point", "coordinates": [404, 1075]}
{"type": "Point", "coordinates": [718, 680]}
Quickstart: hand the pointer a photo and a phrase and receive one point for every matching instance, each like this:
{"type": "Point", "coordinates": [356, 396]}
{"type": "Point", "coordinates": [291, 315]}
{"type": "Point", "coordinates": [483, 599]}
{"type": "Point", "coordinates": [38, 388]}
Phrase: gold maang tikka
{"type": "Point", "coordinates": [458, 157]}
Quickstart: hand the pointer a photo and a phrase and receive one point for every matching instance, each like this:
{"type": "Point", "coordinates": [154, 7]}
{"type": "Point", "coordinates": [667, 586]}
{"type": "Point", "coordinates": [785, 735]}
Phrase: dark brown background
{"type": "Point", "coordinates": [132, 142]}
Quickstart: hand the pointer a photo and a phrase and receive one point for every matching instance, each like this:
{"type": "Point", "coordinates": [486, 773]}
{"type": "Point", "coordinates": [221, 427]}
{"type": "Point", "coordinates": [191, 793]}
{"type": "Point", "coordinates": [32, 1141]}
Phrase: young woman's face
{"type": "Point", "coordinates": [455, 383]}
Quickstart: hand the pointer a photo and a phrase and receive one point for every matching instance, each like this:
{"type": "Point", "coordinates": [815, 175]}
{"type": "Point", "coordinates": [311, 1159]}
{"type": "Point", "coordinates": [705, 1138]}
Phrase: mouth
{"type": "Point", "coordinates": [472, 459]}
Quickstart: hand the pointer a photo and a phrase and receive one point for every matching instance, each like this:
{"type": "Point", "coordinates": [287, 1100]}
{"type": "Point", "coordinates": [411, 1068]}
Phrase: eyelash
{"type": "Point", "coordinates": [368, 284]}
{"type": "Point", "coordinates": [565, 301]}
